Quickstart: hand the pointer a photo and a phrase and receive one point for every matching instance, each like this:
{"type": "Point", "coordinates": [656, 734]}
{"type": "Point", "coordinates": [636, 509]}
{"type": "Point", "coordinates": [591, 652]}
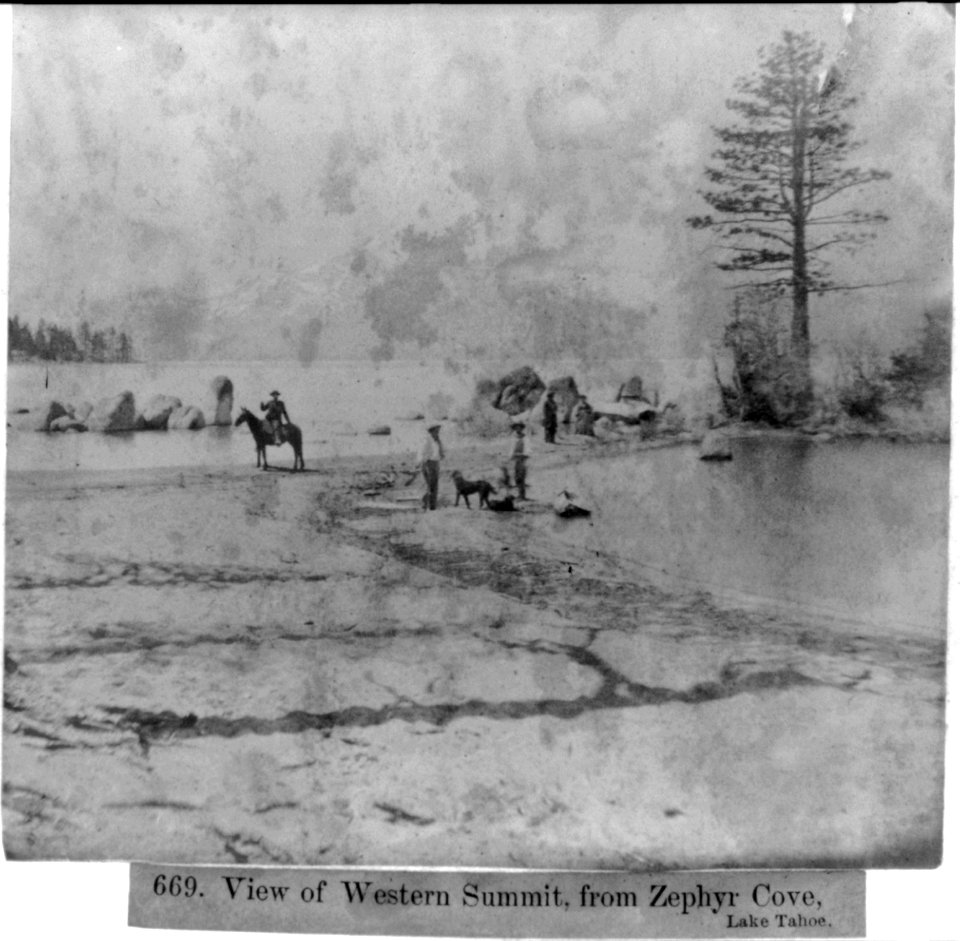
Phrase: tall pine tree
{"type": "Point", "coordinates": [777, 170]}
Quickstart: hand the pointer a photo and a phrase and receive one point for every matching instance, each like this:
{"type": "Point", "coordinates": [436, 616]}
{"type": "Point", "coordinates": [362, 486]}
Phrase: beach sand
{"type": "Point", "coordinates": [210, 665]}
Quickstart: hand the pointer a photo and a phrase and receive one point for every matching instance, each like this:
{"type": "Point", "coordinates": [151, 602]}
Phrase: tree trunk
{"type": "Point", "coordinates": [800, 324]}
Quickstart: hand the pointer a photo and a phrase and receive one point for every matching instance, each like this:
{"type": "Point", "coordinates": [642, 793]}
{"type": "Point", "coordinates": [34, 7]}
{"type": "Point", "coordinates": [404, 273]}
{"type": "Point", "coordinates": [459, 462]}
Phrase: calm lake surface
{"type": "Point", "coordinates": [855, 530]}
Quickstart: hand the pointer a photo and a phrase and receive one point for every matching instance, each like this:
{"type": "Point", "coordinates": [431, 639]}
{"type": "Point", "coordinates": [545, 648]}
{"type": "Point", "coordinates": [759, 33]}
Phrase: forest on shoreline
{"type": "Point", "coordinates": [53, 343]}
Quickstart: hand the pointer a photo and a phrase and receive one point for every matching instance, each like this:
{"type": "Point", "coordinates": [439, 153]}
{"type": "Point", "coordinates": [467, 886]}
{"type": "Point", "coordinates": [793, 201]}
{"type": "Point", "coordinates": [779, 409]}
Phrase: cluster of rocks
{"type": "Point", "coordinates": [120, 413]}
{"type": "Point", "coordinates": [521, 392]}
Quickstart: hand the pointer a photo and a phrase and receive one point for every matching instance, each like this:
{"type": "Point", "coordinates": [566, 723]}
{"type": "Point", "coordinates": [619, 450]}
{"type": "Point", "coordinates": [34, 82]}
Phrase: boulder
{"type": "Point", "coordinates": [379, 430]}
{"type": "Point", "coordinates": [186, 417]}
{"type": "Point", "coordinates": [156, 413]}
{"type": "Point", "coordinates": [114, 413]}
{"type": "Point", "coordinates": [67, 423]}
{"type": "Point", "coordinates": [222, 392]}
{"type": "Point", "coordinates": [517, 391]}
{"type": "Point", "coordinates": [566, 395]}
{"type": "Point", "coordinates": [715, 447]}
{"type": "Point", "coordinates": [48, 412]}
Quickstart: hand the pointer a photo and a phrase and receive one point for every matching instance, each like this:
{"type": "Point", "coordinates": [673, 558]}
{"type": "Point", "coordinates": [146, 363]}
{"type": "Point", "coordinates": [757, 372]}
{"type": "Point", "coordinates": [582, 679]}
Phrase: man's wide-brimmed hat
{"type": "Point", "coordinates": [517, 424]}
{"type": "Point", "coordinates": [274, 392]}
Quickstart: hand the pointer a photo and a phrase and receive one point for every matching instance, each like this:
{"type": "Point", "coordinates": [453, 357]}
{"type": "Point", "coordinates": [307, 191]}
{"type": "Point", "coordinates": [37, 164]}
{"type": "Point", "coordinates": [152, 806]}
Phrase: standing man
{"type": "Point", "coordinates": [430, 456]}
{"type": "Point", "coordinates": [583, 417]}
{"type": "Point", "coordinates": [276, 412]}
{"type": "Point", "coordinates": [519, 452]}
{"type": "Point", "coordinates": [549, 419]}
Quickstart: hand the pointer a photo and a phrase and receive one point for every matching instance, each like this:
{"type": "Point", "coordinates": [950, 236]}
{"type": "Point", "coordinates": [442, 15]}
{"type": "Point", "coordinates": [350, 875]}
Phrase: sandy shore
{"type": "Point", "coordinates": [216, 665]}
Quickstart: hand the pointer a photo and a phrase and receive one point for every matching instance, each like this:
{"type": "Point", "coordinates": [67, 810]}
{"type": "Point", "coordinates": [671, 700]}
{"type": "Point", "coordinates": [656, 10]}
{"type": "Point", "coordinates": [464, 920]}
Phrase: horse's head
{"type": "Point", "coordinates": [242, 417]}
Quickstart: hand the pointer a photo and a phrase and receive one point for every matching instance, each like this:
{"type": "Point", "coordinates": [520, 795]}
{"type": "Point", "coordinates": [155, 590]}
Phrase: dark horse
{"type": "Point", "coordinates": [263, 435]}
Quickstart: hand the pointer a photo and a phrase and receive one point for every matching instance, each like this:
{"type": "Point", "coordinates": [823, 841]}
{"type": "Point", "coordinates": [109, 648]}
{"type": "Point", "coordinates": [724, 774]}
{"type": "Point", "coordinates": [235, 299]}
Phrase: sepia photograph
{"type": "Point", "coordinates": [510, 437]}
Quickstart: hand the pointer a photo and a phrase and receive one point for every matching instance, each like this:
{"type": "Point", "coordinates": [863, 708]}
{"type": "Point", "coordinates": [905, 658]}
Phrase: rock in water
{"type": "Point", "coordinates": [114, 413]}
{"type": "Point", "coordinates": [41, 418]}
{"type": "Point", "coordinates": [187, 416]}
{"type": "Point", "coordinates": [715, 447]}
{"type": "Point", "coordinates": [222, 389]}
{"type": "Point", "coordinates": [156, 413]}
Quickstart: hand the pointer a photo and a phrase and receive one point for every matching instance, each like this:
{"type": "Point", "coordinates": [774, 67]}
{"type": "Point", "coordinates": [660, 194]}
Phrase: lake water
{"type": "Point", "coordinates": [333, 403]}
{"type": "Point", "coordinates": [849, 529]}
{"type": "Point", "coordinates": [853, 529]}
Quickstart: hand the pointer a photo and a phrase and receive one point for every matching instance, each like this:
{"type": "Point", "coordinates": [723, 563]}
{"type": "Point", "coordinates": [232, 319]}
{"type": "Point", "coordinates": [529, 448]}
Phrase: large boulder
{"type": "Point", "coordinates": [156, 413]}
{"type": "Point", "coordinates": [566, 395]}
{"type": "Point", "coordinates": [187, 417]}
{"type": "Point", "coordinates": [222, 400]}
{"type": "Point", "coordinates": [114, 413]}
{"type": "Point", "coordinates": [40, 418]}
{"type": "Point", "coordinates": [518, 391]}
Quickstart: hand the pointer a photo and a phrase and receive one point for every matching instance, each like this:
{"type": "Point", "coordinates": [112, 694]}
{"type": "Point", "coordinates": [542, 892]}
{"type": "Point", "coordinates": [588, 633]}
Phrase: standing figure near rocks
{"type": "Point", "coordinates": [276, 414]}
{"type": "Point", "coordinates": [519, 454]}
{"type": "Point", "coordinates": [583, 417]}
{"type": "Point", "coordinates": [431, 454]}
{"type": "Point", "coordinates": [549, 419]}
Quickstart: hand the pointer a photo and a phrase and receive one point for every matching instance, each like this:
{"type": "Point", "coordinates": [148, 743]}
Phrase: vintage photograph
{"type": "Point", "coordinates": [479, 437]}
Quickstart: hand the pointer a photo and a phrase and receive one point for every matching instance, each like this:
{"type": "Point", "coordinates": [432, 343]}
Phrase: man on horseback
{"type": "Point", "coordinates": [276, 414]}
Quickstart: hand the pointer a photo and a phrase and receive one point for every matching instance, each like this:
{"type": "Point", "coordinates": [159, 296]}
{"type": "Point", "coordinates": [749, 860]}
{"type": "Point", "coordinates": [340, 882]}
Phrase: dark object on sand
{"type": "Point", "coordinates": [501, 504]}
{"type": "Point", "coordinates": [263, 435]}
{"type": "Point", "coordinates": [465, 488]}
{"type": "Point", "coordinates": [379, 430]}
{"type": "Point", "coordinates": [566, 507]}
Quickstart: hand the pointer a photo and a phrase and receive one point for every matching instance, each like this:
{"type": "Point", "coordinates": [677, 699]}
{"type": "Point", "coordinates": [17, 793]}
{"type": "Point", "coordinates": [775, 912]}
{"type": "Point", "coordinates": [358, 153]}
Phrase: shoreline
{"type": "Point", "coordinates": [570, 448]}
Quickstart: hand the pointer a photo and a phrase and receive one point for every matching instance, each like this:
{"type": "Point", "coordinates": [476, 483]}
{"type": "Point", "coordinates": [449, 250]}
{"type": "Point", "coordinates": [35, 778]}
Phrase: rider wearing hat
{"type": "Point", "coordinates": [276, 414]}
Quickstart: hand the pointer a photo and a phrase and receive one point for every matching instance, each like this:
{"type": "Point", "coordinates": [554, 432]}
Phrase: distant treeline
{"type": "Point", "coordinates": [51, 342]}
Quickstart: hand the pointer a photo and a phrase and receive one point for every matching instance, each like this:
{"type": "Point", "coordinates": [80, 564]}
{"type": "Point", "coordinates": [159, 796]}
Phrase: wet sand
{"type": "Point", "coordinates": [213, 665]}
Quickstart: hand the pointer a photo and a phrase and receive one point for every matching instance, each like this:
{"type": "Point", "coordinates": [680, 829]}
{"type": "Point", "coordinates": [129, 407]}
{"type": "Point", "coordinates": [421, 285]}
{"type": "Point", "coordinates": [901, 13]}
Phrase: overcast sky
{"type": "Point", "coordinates": [241, 182]}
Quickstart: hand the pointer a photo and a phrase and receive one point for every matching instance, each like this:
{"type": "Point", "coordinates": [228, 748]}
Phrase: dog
{"type": "Point", "coordinates": [482, 488]}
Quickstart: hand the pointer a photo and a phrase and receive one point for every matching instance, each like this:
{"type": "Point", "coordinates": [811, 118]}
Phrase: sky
{"type": "Point", "coordinates": [445, 182]}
